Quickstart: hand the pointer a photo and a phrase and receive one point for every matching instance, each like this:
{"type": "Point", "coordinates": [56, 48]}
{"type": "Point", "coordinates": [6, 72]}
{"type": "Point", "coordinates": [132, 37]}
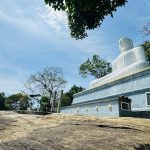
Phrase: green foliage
{"type": "Point", "coordinates": [67, 97]}
{"type": "Point", "coordinates": [2, 101]}
{"type": "Point", "coordinates": [96, 67]}
{"type": "Point", "coordinates": [24, 102]}
{"type": "Point", "coordinates": [44, 104]}
{"type": "Point", "coordinates": [66, 101]}
{"type": "Point", "coordinates": [18, 101]}
{"type": "Point", "coordinates": [85, 14]}
{"type": "Point", "coordinates": [146, 46]}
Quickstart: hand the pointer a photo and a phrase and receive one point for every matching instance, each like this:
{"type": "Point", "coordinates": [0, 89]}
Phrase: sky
{"type": "Point", "coordinates": [34, 36]}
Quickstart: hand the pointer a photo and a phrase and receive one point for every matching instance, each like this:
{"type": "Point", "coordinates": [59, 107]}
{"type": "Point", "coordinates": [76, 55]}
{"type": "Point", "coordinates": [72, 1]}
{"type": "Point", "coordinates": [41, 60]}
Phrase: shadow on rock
{"type": "Point", "coordinates": [143, 147]}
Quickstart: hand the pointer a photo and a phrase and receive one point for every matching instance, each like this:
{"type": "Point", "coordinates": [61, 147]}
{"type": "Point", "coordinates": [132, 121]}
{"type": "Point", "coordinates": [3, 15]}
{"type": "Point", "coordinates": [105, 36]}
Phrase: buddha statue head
{"type": "Point", "coordinates": [125, 44]}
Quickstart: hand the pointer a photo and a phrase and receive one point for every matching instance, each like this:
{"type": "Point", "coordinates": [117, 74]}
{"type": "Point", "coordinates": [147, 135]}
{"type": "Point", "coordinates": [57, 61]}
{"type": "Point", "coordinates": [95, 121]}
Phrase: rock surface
{"type": "Point", "coordinates": [70, 132]}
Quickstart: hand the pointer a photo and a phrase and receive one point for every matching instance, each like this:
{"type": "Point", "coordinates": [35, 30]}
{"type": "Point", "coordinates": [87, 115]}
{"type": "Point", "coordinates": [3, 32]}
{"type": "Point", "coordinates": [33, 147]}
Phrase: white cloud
{"type": "Point", "coordinates": [55, 19]}
{"type": "Point", "coordinates": [25, 24]}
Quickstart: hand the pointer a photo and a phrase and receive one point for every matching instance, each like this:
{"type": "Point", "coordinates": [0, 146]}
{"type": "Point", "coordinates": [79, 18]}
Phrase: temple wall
{"type": "Point", "coordinates": [97, 109]}
{"type": "Point", "coordinates": [134, 87]}
{"type": "Point", "coordinates": [139, 102]}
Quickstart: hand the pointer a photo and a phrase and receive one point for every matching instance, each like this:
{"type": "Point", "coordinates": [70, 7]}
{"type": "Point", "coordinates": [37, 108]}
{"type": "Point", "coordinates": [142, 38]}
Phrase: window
{"type": "Point", "coordinates": [125, 106]}
{"type": "Point", "coordinates": [148, 98]}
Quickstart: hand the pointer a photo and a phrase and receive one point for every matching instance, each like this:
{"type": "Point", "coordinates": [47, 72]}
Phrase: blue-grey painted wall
{"type": "Point", "coordinates": [102, 108]}
{"type": "Point", "coordinates": [134, 87]}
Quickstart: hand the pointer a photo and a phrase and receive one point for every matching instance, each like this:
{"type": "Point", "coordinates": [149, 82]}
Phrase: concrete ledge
{"type": "Point", "coordinates": [125, 79]}
{"type": "Point", "coordinates": [104, 99]}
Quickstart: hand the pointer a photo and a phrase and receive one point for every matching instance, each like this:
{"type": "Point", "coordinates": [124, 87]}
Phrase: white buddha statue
{"type": "Point", "coordinates": [130, 61]}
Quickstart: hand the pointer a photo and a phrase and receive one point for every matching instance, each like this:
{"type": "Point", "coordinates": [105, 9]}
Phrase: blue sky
{"type": "Point", "coordinates": [34, 36]}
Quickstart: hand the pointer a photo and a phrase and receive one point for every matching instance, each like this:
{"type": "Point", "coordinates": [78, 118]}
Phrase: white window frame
{"type": "Point", "coordinates": [128, 106]}
{"type": "Point", "coordinates": [146, 98]}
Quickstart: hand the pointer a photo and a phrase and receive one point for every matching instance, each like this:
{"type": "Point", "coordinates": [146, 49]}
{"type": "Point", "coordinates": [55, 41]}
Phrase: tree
{"type": "Point", "coordinates": [24, 102]}
{"type": "Point", "coordinates": [2, 101]}
{"type": "Point", "coordinates": [67, 97]}
{"type": "Point", "coordinates": [47, 82]}
{"type": "Point", "coordinates": [18, 101]}
{"type": "Point", "coordinates": [146, 46]}
{"type": "Point", "coordinates": [85, 14]}
{"type": "Point", "coordinates": [66, 101]}
{"type": "Point", "coordinates": [44, 104]}
{"type": "Point", "coordinates": [96, 67]}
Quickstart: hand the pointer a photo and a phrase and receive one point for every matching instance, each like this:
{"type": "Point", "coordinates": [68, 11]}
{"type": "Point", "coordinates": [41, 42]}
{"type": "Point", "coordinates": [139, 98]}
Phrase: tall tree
{"type": "Point", "coordinates": [85, 14]}
{"type": "Point", "coordinates": [67, 97]}
{"type": "Point", "coordinates": [47, 82]}
{"type": "Point", "coordinates": [96, 67]}
{"type": "Point", "coordinates": [146, 46]}
{"type": "Point", "coordinates": [2, 101]}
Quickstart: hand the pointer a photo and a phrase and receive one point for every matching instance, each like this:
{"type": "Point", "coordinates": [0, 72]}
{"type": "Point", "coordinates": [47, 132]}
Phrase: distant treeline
{"type": "Point", "coordinates": [22, 101]}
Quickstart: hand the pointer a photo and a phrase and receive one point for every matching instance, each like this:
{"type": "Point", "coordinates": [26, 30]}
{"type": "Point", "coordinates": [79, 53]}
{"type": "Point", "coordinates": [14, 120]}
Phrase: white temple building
{"type": "Point", "coordinates": [124, 92]}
